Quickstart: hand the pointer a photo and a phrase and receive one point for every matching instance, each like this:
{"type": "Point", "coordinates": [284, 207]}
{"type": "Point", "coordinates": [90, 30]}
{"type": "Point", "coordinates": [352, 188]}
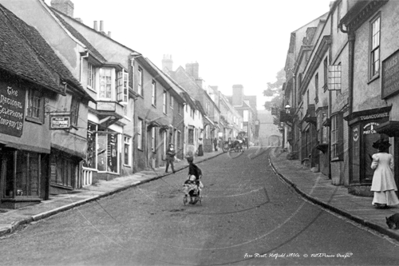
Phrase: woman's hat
{"type": "Point", "coordinates": [381, 144]}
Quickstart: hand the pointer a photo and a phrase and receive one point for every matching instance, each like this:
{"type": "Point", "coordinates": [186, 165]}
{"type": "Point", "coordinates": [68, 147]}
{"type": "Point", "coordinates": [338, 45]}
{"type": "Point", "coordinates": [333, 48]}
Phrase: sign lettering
{"type": "Point", "coordinates": [12, 108]}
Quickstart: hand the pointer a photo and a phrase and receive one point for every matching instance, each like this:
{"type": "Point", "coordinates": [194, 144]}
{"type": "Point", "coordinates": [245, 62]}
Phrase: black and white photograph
{"type": "Point", "coordinates": [209, 133]}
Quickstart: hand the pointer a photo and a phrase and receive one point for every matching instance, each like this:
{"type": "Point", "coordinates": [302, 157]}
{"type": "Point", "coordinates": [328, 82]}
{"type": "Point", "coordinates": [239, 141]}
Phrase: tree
{"type": "Point", "coordinates": [275, 90]}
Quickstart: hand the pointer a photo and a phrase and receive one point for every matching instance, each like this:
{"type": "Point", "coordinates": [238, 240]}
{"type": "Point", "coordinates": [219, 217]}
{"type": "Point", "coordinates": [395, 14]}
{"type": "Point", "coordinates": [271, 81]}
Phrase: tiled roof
{"type": "Point", "coordinates": [80, 37]}
{"type": "Point", "coordinates": [19, 57]}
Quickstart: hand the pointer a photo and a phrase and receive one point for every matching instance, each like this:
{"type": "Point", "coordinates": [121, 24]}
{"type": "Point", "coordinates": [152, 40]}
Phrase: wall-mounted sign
{"type": "Point", "coordinates": [12, 109]}
{"type": "Point", "coordinates": [355, 134]}
{"type": "Point", "coordinates": [60, 121]}
{"type": "Point", "coordinates": [390, 76]}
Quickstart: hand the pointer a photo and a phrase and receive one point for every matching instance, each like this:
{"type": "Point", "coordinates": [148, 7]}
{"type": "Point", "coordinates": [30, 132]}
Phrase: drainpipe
{"type": "Point", "coordinates": [351, 55]}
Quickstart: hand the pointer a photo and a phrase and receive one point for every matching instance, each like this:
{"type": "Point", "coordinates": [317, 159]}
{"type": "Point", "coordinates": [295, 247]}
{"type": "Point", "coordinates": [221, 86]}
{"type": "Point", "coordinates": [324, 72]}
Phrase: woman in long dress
{"type": "Point", "coordinates": [383, 184]}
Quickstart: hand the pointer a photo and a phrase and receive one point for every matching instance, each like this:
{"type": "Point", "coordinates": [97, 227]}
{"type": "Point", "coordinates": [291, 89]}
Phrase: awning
{"type": "Point", "coordinates": [390, 128]}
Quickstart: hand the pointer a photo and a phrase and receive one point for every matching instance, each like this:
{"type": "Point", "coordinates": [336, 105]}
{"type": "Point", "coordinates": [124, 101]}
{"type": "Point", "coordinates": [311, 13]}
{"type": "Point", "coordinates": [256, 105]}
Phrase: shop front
{"type": "Point", "coordinates": [363, 127]}
{"type": "Point", "coordinates": [24, 145]}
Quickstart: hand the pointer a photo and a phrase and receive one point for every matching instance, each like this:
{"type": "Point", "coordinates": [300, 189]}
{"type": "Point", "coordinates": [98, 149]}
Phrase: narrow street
{"type": "Point", "coordinates": [248, 216]}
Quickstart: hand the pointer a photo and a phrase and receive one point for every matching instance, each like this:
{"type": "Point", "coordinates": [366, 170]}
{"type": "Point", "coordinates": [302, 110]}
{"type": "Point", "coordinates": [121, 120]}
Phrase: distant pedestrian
{"type": "Point", "coordinates": [215, 144]}
{"type": "Point", "coordinates": [383, 184]}
{"type": "Point", "coordinates": [200, 151]}
{"type": "Point", "coordinates": [170, 158]}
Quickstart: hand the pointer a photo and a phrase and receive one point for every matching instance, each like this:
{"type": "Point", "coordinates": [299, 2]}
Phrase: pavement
{"type": "Point", "coordinates": [315, 187]}
{"type": "Point", "coordinates": [319, 189]}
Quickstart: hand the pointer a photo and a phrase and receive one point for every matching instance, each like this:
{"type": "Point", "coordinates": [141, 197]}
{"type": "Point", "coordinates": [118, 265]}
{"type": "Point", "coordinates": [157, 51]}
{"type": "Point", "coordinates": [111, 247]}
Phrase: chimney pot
{"type": "Point", "coordinates": [101, 26]}
{"type": "Point", "coordinates": [95, 25]}
{"type": "Point", "coordinates": [109, 34]}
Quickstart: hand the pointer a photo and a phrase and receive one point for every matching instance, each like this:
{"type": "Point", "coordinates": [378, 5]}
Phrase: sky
{"type": "Point", "coordinates": [233, 41]}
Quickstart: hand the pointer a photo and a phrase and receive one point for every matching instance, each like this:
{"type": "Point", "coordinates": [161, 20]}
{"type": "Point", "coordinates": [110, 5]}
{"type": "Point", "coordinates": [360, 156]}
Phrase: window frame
{"type": "Point", "coordinates": [374, 72]}
{"type": "Point", "coordinates": [164, 103]}
{"type": "Point", "coordinates": [140, 81]}
{"type": "Point", "coordinates": [140, 128]}
{"type": "Point", "coordinates": [127, 142]}
{"type": "Point", "coordinates": [154, 93]}
{"type": "Point", "coordinates": [110, 83]}
{"type": "Point", "coordinates": [91, 76]}
{"type": "Point", "coordinates": [75, 104]}
{"type": "Point", "coordinates": [33, 95]}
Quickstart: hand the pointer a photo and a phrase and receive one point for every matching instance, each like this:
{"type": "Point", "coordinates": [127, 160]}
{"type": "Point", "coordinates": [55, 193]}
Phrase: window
{"type": "Point", "coordinates": [191, 136]}
{"type": "Point", "coordinates": [140, 82]}
{"type": "Point", "coordinates": [334, 77]}
{"type": "Point", "coordinates": [337, 137]}
{"type": "Point", "coordinates": [178, 141]}
{"type": "Point", "coordinates": [122, 87]}
{"type": "Point", "coordinates": [172, 101]}
{"type": "Point", "coordinates": [28, 174]}
{"type": "Point", "coordinates": [316, 87]}
{"type": "Point", "coordinates": [74, 111]}
{"type": "Point", "coordinates": [375, 48]}
{"type": "Point", "coordinates": [245, 115]}
{"type": "Point", "coordinates": [140, 134]}
{"type": "Point", "coordinates": [62, 170]}
{"type": "Point", "coordinates": [325, 77]}
{"type": "Point", "coordinates": [126, 150]}
{"type": "Point", "coordinates": [106, 83]}
{"type": "Point", "coordinates": [91, 76]}
{"type": "Point", "coordinates": [164, 102]}
{"type": "Point", "coordinates": [180, 109]}
{"type": "Point", "coordinates": [154, 93]}
{"type": "Point", "coordinates": [35, 106]}
{"type": "Point", "coordinates": [153, 139]}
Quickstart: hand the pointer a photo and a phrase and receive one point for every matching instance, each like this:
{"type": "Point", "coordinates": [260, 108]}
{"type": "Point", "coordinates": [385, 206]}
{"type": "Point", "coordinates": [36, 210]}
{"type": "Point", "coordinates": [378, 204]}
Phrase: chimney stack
{"type": "Point", "coordinates": [238, 95]}
{"type": "Point", "coordinates": [167, 63]}
{"type": "Point", "coordinates": [64, 6]}
{"type": "Point", "coordinates": [193, 70]}
{"type": "Point", "coordinates": [109, 34]}
{"type": "Point", "coordinates": [95, 26]}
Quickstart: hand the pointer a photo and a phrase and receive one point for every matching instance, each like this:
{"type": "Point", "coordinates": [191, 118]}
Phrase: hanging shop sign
{"type": "Point", "coordinates": [12, 106]}
{"type": "Point", "coordinates": [60, 121]}
{"type": "Point", "coordinates": [390, 76]}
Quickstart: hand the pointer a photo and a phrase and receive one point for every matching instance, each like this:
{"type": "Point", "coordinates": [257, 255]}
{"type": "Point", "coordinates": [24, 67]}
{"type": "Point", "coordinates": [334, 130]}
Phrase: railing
{"type": "Point", "coordinates": [87, 177]}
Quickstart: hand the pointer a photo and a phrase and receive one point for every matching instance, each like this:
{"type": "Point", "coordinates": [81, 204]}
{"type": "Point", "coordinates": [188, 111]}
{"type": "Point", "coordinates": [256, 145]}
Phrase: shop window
{"type": "Point", "coordinates": [63, 170]}
{"type": "Point", "coordinates": [27, 178]}
{"type": "Point", "coordinates": [35, 106]}
{"type": "Point", "coordinates": [107, 153]}
{"type": "Point", "coordinates": [91, 158]}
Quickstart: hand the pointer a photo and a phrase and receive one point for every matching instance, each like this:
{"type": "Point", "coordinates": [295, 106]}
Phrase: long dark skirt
{"type": "Point", "coordinates": [200, 151]}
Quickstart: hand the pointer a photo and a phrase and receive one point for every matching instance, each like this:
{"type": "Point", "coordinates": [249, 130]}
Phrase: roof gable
{"type": "Point", "coordinates": [25, 53]}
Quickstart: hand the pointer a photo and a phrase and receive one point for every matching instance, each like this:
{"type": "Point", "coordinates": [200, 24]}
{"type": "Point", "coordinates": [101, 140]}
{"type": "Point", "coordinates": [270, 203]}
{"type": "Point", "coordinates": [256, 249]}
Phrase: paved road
{"type": "Point", "coordinates": [248, 217]}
